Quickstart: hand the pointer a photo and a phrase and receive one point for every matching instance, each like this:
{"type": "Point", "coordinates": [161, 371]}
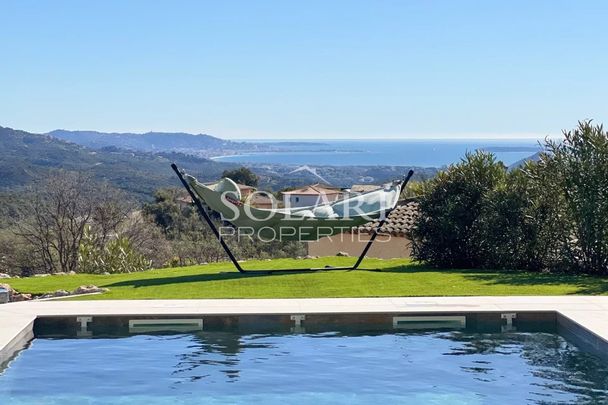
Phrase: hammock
{"type": "Point", "coordinates": [301, 223]}
{"type": "Point", "coordinates": [224, 197]}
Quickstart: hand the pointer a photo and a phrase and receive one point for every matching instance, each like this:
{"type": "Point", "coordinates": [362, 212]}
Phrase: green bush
{"type": "Point", "coordinates": [517, 227]}
{"type": "Point", "coordinates": [115, 256]}
{"type": "Point", "coordinates": [499, 233]}
{"type": "Point", "coordinates": [450, 205]}
{"type": "Point", "coordinates": [547, 215]}
{"type": "Point", "coordinates": [579, 166]}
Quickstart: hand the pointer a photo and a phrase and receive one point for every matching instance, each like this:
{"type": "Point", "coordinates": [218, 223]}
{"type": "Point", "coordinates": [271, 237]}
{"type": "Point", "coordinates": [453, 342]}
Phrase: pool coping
{"type": "Point", "coordinates": [584, 317]}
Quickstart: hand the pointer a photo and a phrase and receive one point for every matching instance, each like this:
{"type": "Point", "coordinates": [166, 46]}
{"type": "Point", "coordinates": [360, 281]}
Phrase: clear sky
{"type": "Point", "coordinates": [319, 69]}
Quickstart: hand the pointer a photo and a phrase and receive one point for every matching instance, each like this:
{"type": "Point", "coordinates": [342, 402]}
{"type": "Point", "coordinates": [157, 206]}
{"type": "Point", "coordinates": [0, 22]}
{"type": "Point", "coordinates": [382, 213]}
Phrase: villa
{"type": "Point", "coordinates": [311, 195]}
{"type": "Point", "coordinates": [350, 203]}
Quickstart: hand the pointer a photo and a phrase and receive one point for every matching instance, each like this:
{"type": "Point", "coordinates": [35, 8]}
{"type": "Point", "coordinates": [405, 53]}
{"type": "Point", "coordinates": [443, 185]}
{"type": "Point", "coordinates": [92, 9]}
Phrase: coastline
{"type": "Point", "coordinates": [437, 153]}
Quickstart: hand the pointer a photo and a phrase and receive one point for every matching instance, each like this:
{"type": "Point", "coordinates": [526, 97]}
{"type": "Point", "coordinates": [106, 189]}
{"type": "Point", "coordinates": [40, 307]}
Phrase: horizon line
{"type": "Point", "coordinates": [323, 137]}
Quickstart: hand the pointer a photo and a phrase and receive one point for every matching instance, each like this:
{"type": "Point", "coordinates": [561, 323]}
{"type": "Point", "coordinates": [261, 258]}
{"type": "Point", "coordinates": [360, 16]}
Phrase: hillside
{"type": "Point", "coordinates": [27, 157]}
{"type": "Point", "coordinates": [201, 144]}
{"type": "Point", "coordinates": [520, 163]}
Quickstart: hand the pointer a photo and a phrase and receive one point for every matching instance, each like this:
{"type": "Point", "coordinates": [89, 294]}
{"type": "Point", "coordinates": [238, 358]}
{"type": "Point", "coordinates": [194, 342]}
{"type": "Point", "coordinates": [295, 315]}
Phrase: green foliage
{"type": "Point", "coordinates": [548, 215]}
{"type": "Point", "coordinates": [166, 210]}
{"type": "Point", "coordinates": [15, 257]}
{"type": "Point", "coordinates": [115, 256]}
{"type": "Point", "coordinates": [12, 205]}
{"type": "Point", "coordinates": [242, 175]}
{"type": "Point", "coordinates": [579, 167]}
{"type": "Point", "coordinates": [90, 255]}
{"type": "Point", "coordinates": [511, 232]}
{"type": "Point", "coordinates": [450, 205]}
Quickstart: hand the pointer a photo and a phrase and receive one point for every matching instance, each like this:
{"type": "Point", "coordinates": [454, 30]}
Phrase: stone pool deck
{"type": "Point", "coordinates": [584, 316]}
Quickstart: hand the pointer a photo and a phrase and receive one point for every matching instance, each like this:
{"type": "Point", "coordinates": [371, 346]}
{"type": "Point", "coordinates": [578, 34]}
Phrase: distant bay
{"type": "Point", "coordinates": [410, 152]}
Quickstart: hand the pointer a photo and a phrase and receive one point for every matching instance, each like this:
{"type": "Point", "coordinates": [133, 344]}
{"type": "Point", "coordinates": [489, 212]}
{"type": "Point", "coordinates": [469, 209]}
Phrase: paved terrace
{"type": "Point", "coordinates": [587, 314]}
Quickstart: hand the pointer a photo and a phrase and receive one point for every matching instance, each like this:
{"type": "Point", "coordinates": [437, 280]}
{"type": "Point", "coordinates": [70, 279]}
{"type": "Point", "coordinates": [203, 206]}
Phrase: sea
{"type": "Point", "coordinates": [368, 152]}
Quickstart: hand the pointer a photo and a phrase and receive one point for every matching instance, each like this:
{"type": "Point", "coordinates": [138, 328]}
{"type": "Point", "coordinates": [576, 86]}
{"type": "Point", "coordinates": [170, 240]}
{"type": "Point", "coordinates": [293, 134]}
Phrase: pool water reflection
{"type": "Point", "coordinates": [448, 366]}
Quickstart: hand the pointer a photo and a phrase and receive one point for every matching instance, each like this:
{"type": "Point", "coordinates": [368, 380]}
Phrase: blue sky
{"type": "Point", "coordinates": [318, 69]}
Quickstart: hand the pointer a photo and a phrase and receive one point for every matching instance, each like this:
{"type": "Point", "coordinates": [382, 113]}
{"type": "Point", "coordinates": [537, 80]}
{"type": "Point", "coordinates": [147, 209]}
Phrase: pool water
{"type": "Point", "coordinates": [224, 367]}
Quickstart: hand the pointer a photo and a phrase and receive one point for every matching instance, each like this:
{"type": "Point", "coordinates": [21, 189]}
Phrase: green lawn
{"type": "Point", "coordinates": [395, 278]}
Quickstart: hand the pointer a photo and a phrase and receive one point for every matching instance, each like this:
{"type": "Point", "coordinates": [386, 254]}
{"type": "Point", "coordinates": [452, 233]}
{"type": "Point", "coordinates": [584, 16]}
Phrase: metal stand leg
{"type": "Point", "coordinates": [205, 216]}
{"type": "Point", "coordinates": [207, 219]}
{"type": "Point", "coordinates": [381, 224]}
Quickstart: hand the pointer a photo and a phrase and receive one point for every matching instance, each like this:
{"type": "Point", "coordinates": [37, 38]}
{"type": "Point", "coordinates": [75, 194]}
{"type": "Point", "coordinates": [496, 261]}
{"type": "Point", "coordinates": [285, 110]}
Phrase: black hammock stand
{"type": "Point", "coordinates": [203, 213]}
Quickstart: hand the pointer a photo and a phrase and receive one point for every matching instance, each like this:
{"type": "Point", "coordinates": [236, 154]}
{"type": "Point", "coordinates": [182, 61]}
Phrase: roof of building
{"type": "Point", "coordinates": [186, 199]}
{"type": "Point", "coordinates": [399, 223]}
{"type": "Point", "coordinates": [364, 188]}
{"type": "Point", "coordinates": [260, 199]}
{"type": "Point", "coordinates": [240, 185]}
{"type": "Point", "coordinates": [313, 189]}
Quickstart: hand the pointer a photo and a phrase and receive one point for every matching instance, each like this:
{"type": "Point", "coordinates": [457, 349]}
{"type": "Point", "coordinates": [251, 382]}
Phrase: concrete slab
{"type": "Point", "coordinates": [15, 334]}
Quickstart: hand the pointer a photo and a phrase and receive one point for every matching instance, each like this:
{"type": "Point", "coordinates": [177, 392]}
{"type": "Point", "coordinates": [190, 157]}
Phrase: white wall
{"type": "Point", "coordinates": [294, 200]}
{"type": "Point", "coordinates": [291, 200]}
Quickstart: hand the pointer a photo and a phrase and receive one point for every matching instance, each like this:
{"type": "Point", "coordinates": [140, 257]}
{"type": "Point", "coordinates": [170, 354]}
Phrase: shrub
{"type": "Point", "coordinates": [499, 233]}
{"type": "Point", "coordinates": [450, 206]}
{"type": "Point", "coordinates": [115, 256]}
{"type": "Point", "coordinates": [579, 167]}
{"type": "Point", "coordinates": [548, 215]}
{"type": "Point", "coordinates": [518, 227]}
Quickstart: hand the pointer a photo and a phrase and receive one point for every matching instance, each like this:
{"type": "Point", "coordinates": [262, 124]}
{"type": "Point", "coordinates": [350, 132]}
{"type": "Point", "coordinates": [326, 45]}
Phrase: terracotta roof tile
{"type": "Point", "coordinates": [400, 221]}
{"type": "Point", "coordinates": [364, 188]}
{"type": "Point", "coordinates": [314, 189]}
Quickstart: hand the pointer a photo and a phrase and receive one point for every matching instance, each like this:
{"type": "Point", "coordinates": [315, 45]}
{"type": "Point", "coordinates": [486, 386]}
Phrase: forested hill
{"type": "Point", "coordinates": [153, 141]}
{"type": "Point", "coordinates": [25, 157]}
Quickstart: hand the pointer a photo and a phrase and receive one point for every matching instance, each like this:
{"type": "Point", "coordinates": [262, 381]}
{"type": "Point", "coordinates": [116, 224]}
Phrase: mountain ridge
{"type": "Point", "coordinates": [149, 141]}
{"type": "Point", "coordinates": [26, 157]}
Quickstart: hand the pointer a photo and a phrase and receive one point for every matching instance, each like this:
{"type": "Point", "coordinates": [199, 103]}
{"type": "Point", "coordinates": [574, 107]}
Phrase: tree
{"type": "Point", "coordinates": [242, 175]}
{"type": "Point", "coordinates": [68, 213]}
{"type": "Point", "coordinates": [579, 167]}
{"type": "Point", "coordinates": [166, 212]}
{"type": "Point", "coordinates": [111, 208]}
{"type": "Point", "coordinates": [58, 212]}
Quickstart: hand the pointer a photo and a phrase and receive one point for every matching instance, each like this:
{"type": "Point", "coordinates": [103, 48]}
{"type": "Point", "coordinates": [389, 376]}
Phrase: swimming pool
{"type": "Point", "coordinates": [451, 360]}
